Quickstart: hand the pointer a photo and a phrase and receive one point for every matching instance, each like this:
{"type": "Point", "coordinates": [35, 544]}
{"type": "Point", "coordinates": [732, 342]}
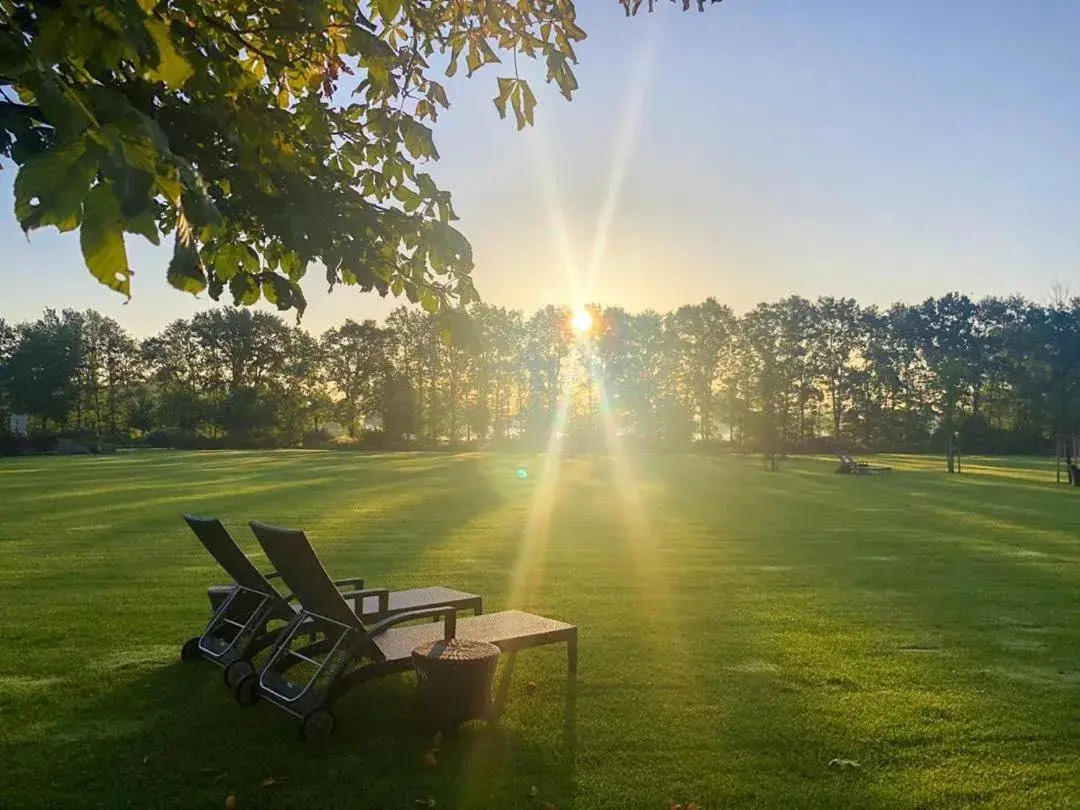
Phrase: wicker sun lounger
{"type": "Point", "coordinates": [240, 627]}
{"type": "Point", "coordinates": [328, 648]}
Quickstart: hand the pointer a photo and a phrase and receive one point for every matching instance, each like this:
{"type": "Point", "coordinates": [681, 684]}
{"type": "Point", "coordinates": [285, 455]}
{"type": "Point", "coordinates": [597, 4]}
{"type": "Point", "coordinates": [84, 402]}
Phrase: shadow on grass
{"type": "Point", "coordinates": [171, 736]}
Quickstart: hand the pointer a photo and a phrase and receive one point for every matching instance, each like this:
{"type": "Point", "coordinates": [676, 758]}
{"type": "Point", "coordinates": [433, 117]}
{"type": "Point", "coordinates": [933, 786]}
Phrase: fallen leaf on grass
{"type": "Point", "coordinates": [534, 791]}
{"type": "Point", "coordinates": [230, 802]}
{"type": "Point", "coordinates": [430, 758]}
{"type": "Point", "coordinates": [424, 802]}
{"type": "Point", "coordinates": [843, 764]}
{"type": "Point", "coordinates": [274, 781]}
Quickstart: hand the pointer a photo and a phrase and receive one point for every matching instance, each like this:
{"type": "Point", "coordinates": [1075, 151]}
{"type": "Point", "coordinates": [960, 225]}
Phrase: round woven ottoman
{"type": "Point", "coordinates": [454, 679]}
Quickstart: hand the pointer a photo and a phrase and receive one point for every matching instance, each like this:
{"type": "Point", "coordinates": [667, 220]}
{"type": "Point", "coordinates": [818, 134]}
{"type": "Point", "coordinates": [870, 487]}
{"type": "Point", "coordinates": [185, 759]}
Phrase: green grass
{"type": "Point", "coordinates": [739, 631]}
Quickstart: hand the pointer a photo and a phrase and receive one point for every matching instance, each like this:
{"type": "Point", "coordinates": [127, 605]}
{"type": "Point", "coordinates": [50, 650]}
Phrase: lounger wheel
{"type": "Point", "coordinates": [246, 690]}
{"type": "Point", "coordinates": [190, 650]}
{"type": "Point", "coordinates": [236, 672]}
{"type": "Point", "coordinates": [318, 726]}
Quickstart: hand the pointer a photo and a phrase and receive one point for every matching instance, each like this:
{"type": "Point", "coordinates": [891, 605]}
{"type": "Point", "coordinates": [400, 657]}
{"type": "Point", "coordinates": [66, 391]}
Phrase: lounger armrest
{"type": "Point", "coordinates": [360, 595]}
{"type": "Point", "coordinates": [354, 581]}
{"type": "Point", "coordinates": [448, 613]}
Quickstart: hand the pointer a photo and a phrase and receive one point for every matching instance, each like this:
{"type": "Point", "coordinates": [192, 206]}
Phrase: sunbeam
{"type": "Point", "coordinates": [624, 147]}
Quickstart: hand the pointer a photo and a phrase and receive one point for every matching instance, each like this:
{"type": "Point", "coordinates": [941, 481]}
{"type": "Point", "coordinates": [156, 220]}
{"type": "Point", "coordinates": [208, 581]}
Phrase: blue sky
{"type": "Point", "coordinates": [885, 151]}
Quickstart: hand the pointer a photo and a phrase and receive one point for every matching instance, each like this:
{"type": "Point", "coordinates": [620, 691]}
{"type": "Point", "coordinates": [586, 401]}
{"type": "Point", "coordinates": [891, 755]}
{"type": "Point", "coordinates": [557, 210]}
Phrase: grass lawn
{"type": "Point", "coordinates": [742, 632]}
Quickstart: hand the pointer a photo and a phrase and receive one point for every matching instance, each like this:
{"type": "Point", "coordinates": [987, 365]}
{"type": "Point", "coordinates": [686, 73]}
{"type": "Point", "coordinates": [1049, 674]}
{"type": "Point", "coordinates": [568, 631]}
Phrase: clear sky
{"type": "Point", "coordinates": [881, 150]}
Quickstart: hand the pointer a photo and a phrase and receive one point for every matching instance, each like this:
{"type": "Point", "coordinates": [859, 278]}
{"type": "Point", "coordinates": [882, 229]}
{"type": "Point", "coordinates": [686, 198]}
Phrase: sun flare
{"type": "Point", "coordinates": [581, 321]}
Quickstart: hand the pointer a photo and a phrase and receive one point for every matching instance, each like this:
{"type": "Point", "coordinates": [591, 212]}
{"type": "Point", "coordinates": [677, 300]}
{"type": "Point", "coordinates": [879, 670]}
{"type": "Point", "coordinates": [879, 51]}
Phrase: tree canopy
{"type": "Point", "coordinates": [792, 375]}
{"type": "Point", "coordinates": [262, 137]}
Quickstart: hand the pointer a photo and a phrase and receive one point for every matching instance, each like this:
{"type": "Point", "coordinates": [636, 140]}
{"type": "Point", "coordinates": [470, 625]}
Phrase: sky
{"type": "Point", "coordinates": [882, 151]}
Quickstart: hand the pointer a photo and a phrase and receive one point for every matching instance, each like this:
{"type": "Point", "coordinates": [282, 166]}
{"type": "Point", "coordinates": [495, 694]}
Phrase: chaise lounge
{"type": "Point", "coordinates": [329, 647]}
{"type": "Point", "coordinates": [849, 466]}
{"type": "Point", "coordinates": [240, 627]}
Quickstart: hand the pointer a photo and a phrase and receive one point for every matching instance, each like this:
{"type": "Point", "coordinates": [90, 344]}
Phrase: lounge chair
{"type": "Point", "coordinates": [240, 626]}
{"type": "Point", "coordinates": [305, 678]}
{"type": "Point", "coordinates": [849, 466]}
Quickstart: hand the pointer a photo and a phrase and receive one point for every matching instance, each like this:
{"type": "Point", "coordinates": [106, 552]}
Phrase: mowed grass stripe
{"type": "Point", "coordinates": [740, 630]}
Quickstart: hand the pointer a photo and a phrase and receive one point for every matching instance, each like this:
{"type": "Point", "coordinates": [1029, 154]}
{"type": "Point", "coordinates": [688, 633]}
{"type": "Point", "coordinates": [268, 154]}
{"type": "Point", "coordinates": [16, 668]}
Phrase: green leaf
{"type": "Point", "coordinates": [528, 103]}
{"type": "Point", "coordinates": [388, 9]}
{"type": "Point", "coordinates": [51, 186]}
{"type": "Point", "coordinates": [249, 259]}
{"type": "Point", "coordinates": [506, 87]}
{"type": "Point", "coordinates": [474, 59]}
{"type": "Point", "coordinates": [143, 224]}
{"type": "Point", "coordinates": [227, 260]}
{"type": "Point", "coordinates": [102, 239]}
{"type": "Point", "coordinates": [133, 188]}
{"type": "Point", "coordinates": [199, 208]}
{"type": "Point", "coordinates": [172, 68]}
{"type": "Point", "coordinates": [418, 139]}
{"type": "Point", "coordinates": [283, 293]}
{"type": "Point", "coordinates": [186, 271]}
{"type": "Point", "coordinates": [169, 185]}
{"type": "Point", "coordinates": [244, 289]}
{"type": "Point", "coordinates": [409, 199]}
{"type": "Point", "coordinates": [429, 302]}
{"type": "Point", "coordinates": [292, 265]}
{"type": "Point", "coordinates": [61, 109]}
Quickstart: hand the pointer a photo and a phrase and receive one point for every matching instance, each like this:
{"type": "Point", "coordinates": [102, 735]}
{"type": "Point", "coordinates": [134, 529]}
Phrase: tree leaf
{"type": "Point", "coordinates": [61, 109]}
{"type": "Point", "coordinates": [143, 224]}
{"type": "Point", "coordinates": [186, 271]}
{"type": "Point", "coordinates": [409, 199]}
{"type": "Point", "coordinates": [133, 188]}
{"type": "Point", "coordinates": [506, 87]}
{"type": "Point", "coordinates": [292, 265]}
{"type": "Point", "coordinates": [429, 302]}
{"type": "Point", "coordinates": [172, 68]}
{"type": "Point", "coordinates": [102, 239]}
{"type": "Point", "coordinates": [51, 186]}
{"type": "Point", "coordinates": [418, 139]}
{"type": "Point", "coordinates": [388, 9]}
{"type": "Point", "coordinates": [244, 288]}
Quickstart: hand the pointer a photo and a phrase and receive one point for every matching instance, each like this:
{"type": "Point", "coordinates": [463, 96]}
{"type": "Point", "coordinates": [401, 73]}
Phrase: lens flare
{"type": "Point", "coordinates": [581, 321]}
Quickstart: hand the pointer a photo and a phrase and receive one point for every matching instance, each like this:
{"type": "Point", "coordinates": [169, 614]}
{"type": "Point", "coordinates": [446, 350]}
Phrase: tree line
{"type": "Point", "coordinates": [1002, 374]}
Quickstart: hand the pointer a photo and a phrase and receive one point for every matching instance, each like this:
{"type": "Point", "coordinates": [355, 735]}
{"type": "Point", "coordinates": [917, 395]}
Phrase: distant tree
{"type": "Point", "coordinates": [40, 373]}
{"type": "Point", "coordinates": [7, 345]}
{"type": "Point", "coordinates": [702, 336]}
{"type": "Point", "coordinates": [109, 373]}
{"type": "Point", "coordinates": [948, 340]}
{"type": "Point", "coordinates": [838, 333]}
{"type": "Point", "coordinates": [398, 408]}
{"type": "Point", "coordinates": [174, 362]}
{"type": "Point", "coordinates": [357, 362]}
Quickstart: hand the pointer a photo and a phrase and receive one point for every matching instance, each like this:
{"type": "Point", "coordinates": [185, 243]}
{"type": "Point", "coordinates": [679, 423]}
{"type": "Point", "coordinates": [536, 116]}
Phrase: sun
{"type": "Point", "coordinates": [581, 321]}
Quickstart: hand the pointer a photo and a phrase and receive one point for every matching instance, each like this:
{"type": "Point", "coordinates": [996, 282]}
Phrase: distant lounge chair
{"type": "Point", "coordinates": [850, 466]}
{"type": "Point", "coordinates": [240, 626]}
{"type": "Point", "coordinates": [305, 678]}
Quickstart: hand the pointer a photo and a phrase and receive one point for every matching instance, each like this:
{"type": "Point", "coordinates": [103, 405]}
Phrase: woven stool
{"type": "Point", "coordinates": [455, 679]}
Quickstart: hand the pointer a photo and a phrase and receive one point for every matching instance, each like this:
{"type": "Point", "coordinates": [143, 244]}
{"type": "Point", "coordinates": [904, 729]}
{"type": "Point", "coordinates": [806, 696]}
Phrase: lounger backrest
{"type": "Point", "coordinates": [294, 558]}
{"type": "Point", "coordinates": [223, 548]}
